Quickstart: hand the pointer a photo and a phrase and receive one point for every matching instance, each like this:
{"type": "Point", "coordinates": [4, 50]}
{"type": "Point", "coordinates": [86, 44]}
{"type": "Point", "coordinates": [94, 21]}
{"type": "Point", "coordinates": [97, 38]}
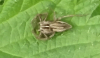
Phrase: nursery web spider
{"type": "Point", "coordinates": [44, 30]}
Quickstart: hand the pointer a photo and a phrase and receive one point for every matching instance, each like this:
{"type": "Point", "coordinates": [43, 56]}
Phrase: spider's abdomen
{"type": "Point", "coordinates": [60, 26]}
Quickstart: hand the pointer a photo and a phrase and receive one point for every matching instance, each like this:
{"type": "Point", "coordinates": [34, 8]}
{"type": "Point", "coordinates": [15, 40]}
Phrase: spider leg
{"type": "Point", "coordinates": [45, 35]}
{"type": "Point", "coordinates": [66, 16]}
{"type": "Point", "coordinates": [55, 16]}
{"type": "Point", "coordinates": [41, 32]}
{"type": "Point", "coordinates": [39, 17]}
{"type": "Point", "coordinates": [45, 16]}
{"type": "Point", "coordinates": [52, 34]}
{"type": "Point", "coordinates": [69, 16]}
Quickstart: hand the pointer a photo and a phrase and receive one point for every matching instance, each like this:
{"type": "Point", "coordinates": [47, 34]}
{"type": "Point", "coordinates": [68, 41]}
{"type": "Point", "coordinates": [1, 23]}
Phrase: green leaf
{"type": "Point", "coordinates": [17, 40]}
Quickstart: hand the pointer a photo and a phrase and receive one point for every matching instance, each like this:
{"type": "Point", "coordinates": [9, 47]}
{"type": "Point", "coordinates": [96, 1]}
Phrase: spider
{"type": "Point", "coordinates": [44, 30]}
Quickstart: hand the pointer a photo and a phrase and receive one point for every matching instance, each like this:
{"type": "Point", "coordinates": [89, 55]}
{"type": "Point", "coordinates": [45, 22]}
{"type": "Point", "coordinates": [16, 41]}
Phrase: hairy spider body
{"type": "Point", "coordinates": [56, 26]}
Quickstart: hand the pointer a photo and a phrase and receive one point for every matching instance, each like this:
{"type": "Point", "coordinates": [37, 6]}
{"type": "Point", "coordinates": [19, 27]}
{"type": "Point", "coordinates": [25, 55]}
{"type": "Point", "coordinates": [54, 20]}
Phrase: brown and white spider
{"type": "Point", "coordinates": [46, 29]}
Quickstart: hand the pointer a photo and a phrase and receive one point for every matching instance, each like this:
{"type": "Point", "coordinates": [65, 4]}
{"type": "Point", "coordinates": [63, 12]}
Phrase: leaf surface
{"type": "Point", "coordinates": [17, 40]}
